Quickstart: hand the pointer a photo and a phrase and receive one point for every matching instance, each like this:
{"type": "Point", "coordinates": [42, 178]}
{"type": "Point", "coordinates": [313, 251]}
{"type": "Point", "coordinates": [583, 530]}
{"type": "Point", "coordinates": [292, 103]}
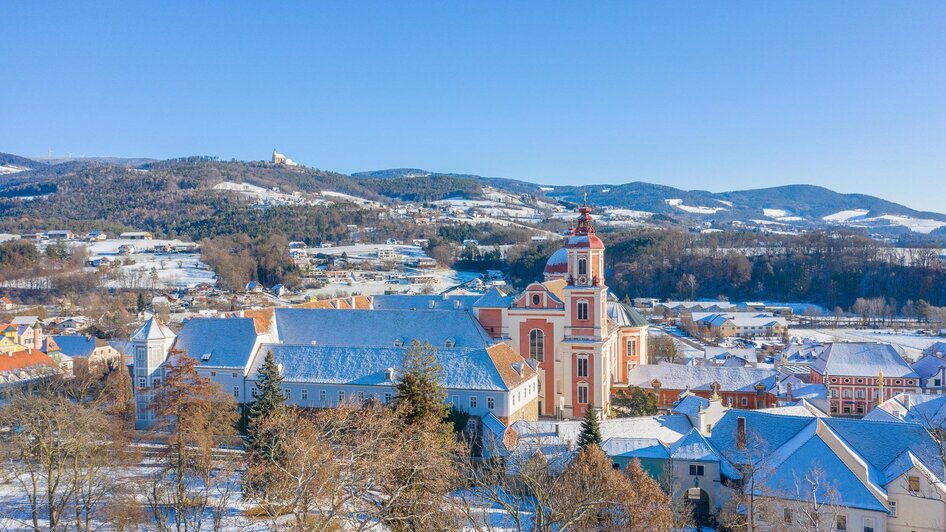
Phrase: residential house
{"type": "Point", "coordinates": [866, 475]}
{"type": "Point", "coordinates": [741, 324]}
{"type": "Point", "coordinates": [88, 348]}
{"type": "Point", "coordinates": [859, 375]}
{"type": "Point", "coordinates": [137, 235]}
{"type": "Point", "coordinates": [23, 367]}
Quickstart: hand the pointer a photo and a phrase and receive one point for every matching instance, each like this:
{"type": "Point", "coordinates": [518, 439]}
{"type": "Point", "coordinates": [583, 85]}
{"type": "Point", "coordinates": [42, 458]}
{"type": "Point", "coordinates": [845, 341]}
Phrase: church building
{"type": "Point", "coordinates": [583, 339]}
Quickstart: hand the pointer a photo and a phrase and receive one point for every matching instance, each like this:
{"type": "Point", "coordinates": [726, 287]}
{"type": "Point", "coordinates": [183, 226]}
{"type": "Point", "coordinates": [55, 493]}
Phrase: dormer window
{"type": "Point", "coordinates": [449, 342]}
{"type": "Point", "coordinates": [536, 299]}
{"type": "Point", "coordinates": [398, 342]}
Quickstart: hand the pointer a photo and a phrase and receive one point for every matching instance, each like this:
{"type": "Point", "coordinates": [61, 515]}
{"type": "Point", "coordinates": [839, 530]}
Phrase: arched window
{"type": "Point", "coordinates": [582, 266]}
{"type": "Point", "coordinates": [537, 345]}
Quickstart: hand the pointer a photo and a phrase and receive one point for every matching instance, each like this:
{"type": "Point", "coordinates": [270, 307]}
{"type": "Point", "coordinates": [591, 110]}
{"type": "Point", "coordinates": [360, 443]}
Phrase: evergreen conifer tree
{"type": "Point", "coordinates": [268, 396]}
{"type": "Point", "coordinates": [590, 429]}
{"type": "Point", "coordinates": [418, 385]}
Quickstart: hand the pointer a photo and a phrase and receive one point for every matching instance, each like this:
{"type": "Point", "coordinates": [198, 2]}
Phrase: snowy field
{"type": "Point", "coordinates": [911, 342]}
{"type": "Point", "coordinates": [678, 203]}
{"type": "Point", "coordinates": [175, 270]}
{"type": "Point", "coordinates": [859, 218]}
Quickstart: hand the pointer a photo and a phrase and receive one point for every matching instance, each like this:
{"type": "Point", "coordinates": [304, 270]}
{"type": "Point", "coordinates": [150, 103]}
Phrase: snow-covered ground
{"type": "Point", "coordinates": [910, 342]}
{"type": "Point", "coordinates": [11, 169]}
{"type": "Point", "coordinates": [175, 270]}
{"type": "Point", "coordinates": [845, 216]}
{"type": "Point", "coordinates": [678, 203]}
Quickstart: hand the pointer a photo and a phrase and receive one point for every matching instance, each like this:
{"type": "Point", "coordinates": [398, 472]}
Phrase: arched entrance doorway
{"type": "Point", "coordinates": [699, 502]}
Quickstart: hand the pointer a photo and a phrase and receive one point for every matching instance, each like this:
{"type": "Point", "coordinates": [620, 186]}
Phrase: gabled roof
{"type": "Point", "coordinates": [463, 369]}
{"type": "Point", "coordinates": [681, 377]}
{"type": "Point", "coordinates": [152, 329]}
{"type": "Point", "coordinates": [494, 298]}
{"type": "Point", "coordinates": [928, 365]}
{"type": "Point", "coordinates": [690, 404]}
{"type": "Point", "coordinates": [858, 359]}
{"type": "Point", "coordinates": [695, 447]}
{"type": "Point", "coordinates": [25, 360]}
{"type": "Point", "coordinates": [379, 327]}
{"type": "Point", "coordinates": [25, 320]}
{"type": "Point", "coordinates": [783, 473]}
{"type": "Point", "coordinates": [513, 369]}
{"type": "Point", "coordinates": [77, 345]}
{"type": "Point", "coordinates": [926, 409]}
{"type": "Point", "coordinates": [218, 342]}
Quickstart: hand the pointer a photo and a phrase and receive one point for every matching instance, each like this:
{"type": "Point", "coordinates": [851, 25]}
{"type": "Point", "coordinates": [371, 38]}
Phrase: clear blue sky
{"type": "Point", "coordinates": [717, 96]}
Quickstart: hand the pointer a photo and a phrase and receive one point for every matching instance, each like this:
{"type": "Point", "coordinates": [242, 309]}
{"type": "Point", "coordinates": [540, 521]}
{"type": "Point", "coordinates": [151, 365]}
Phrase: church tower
{"type": "Point", "coordinates": [587, 347]}
{"type": "Point", "coordinates": [586, 293]}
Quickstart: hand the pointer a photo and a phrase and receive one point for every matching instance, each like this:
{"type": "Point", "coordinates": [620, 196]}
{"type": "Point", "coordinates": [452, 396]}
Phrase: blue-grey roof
{"type": "Point", "coordinates": [783, 475]}
{"type": "Point", "coordinates": [75, 345]}
{"type": "Point", "coordinates": [463, 369]}
{"type": "Point", "coordinates": [422, 302]}
{"type": "Point", "coordinates": [152, 329]}
{"type": "Point", "coordinates": [379, 327]}
{"type": "Point", "coordinates": [635, 448]}
{"type": "Point", "coordinates": [690, 405]}
{"type": "Point", "coordinates": [879, 443]}
{"type": "Point", "coordinates": [218, 342]}
{"type": "Point", "coordinates": [862, 359]}
{"type": "Point", "coordinates": [494, 298]}
{"type": "Point", "coordinates": [695, 447]}
{"type": "Point", "coordinates": [927, 366]}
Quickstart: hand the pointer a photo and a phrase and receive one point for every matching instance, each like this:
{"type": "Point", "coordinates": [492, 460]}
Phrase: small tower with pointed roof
{"type": "Point", "coordinates": [149, 348]}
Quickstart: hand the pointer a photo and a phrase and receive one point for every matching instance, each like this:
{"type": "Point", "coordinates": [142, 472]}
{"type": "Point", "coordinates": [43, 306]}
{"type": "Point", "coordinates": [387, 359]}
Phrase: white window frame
{"type": "Point", "coordinates": [582, 390]}
{"type": "Point", "coordinates": [472, 401]}
{"type": "Point", "coordinates": [581, 366]}
{"type": "Point", "coordinates": [305, 394]}
{"type": "Point", "coordinates": [582, 310]}
{"type": "Point", "coordinates": [490, 403]}
{"type": "Point", "coordinates": [537, 345]}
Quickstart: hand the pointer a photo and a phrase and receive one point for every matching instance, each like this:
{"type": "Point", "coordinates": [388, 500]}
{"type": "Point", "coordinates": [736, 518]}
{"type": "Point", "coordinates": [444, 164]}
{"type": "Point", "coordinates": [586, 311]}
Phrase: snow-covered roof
{"type": "Point", "coordinates": [926, 409]}
{"type": "Point", "coordinates": [558, 262]}
{"type": "Point", "coordinates": [928, 365]}
{"type": "Point", "coordinates": [695, 447]}
{"type": "Point", "coordinates": [878, 443]}
{"type": "Point", "coordinates": [682, 377]}
{"type": "Point", "coordinates": [807, 453]}
{"type": "Point", "coordinates": [379, 327]}
{"type": "Point", "coordinates": [858, 359]}
{"type": "Point", "coordinates": [420, 302]}
{"type": "Point", "coordinates": [666, 428]}
{"type": "Point", "coordinates": [494, 298]}
{"type": "Point", "coordinates": [635, 448]}
{"type": "Point", "coordinates": [218, 342]}
{"type": "Point", "coordinates": [152, 329]}
{"type": "Point", "coordinates": [625, 315]}
{"type": "Point", "coordinates": [76, 345]}
{"type": "Point", "coordinates": [463, 369]}
{"type": "Point", "coordinates": [690, 405]}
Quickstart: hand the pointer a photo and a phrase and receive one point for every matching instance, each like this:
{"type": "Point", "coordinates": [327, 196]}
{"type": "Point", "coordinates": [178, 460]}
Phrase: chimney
{"type": "Point", "coordinates": [741, 433]}
{"type": "Point", "coordinates": [789, 393]}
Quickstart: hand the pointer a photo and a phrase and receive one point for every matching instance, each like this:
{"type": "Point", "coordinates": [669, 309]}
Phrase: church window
{"type": "Point", "coordinates": [536, 299]}
{"type": "Point", "coordinates": [582, 266]}
{"type": "Point", "coordinates": [582, 370]}
{"type": "Point", "coordinates": [582, 394]}
{"type": "Point", "coordinates": [582, 310]}
{"type": "Point", "coordinates": [537, 345]}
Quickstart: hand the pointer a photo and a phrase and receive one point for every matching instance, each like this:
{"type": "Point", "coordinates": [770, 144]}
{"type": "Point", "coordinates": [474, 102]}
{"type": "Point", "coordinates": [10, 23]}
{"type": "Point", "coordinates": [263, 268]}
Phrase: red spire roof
{"type": "Point", "coordinates": [584, 235]}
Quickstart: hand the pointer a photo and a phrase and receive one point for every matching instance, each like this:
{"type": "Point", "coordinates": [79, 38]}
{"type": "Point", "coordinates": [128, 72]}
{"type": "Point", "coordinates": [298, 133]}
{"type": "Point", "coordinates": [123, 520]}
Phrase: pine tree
{"type": "Point", "coordinates": [140, 303]}
{"type": "Point", "coordinates": [268, 396]}
{"type": "Point", "coordinates": [590, 429]}
{"type": "Point", "coordinates": [418, 389]}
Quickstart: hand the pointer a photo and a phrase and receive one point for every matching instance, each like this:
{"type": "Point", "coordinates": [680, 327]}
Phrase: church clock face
{"type": "Point", "coordinates": [582, 279]}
